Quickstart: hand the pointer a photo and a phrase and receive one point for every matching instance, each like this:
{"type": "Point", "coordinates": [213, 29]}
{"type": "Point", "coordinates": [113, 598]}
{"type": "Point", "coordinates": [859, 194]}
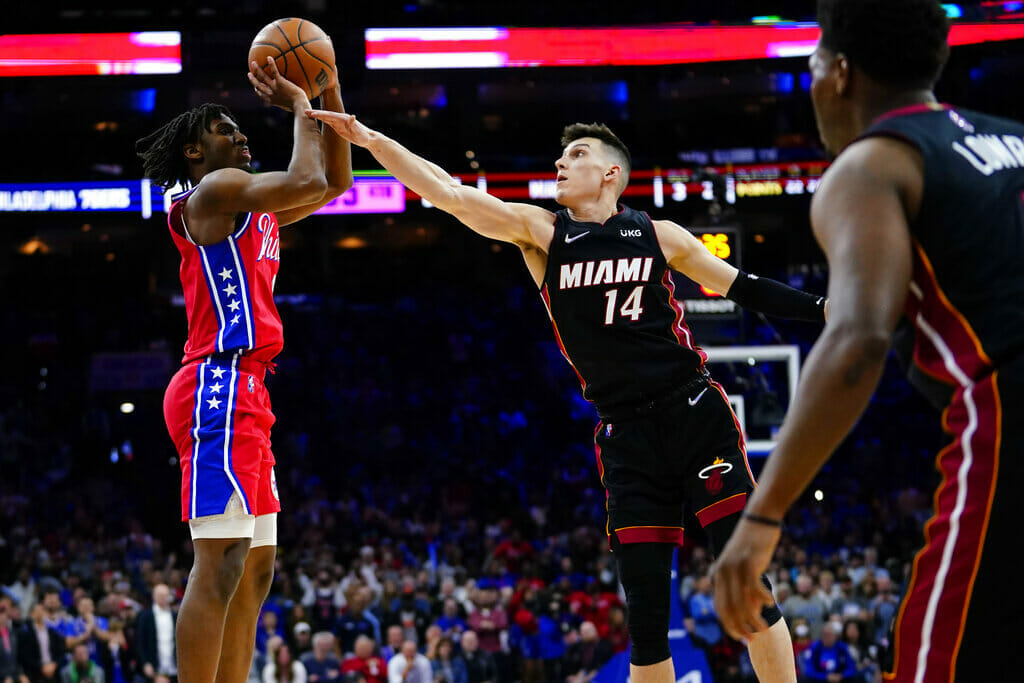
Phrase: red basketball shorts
{"type": "Point", "coordinates": [218, 415]}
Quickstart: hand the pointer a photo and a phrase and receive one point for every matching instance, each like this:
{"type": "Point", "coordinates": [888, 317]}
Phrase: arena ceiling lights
{"type": "Point", "coordinates": [90, 54]}
{"type": "Point", "coordinates": [499, 47]}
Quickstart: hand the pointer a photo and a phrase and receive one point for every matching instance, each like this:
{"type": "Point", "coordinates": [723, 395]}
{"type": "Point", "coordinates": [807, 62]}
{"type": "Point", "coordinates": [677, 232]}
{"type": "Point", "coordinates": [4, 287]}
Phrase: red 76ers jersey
{"type": "Point", "coordinates": [229, 287]}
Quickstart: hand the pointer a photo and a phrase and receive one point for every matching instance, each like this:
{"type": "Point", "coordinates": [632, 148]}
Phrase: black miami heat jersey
{"type": "Point", "coordinates": [965, 310]}
{"type": "Point", "coordinates": [610, 297]}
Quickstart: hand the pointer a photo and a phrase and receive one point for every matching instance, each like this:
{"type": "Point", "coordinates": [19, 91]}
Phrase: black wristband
{"type": "Point", "coordinates": [771, 297]}
{"type": "Point", "coordinates": [767, 521]}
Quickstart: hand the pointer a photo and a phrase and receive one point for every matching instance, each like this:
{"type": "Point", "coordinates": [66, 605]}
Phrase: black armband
{"type": "Point", "coordinates": [771, 297]}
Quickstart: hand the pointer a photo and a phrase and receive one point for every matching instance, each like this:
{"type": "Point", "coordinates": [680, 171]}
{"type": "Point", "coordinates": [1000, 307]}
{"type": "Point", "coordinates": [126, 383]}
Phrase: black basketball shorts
{"type": "Point", "coordinates": [688, 456]}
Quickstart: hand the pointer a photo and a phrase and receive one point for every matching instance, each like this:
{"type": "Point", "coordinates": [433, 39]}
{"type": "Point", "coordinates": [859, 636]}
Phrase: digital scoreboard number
{"type": "Point", "coordinates": [700, 302]}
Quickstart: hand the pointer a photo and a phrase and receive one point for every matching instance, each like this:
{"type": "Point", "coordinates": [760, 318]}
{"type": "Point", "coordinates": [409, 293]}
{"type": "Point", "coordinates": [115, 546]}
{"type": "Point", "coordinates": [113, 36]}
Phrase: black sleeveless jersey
{"type": "Point", "coordinates": [964, 315]}
{"type": "Point", "coordinates": [609, 294]}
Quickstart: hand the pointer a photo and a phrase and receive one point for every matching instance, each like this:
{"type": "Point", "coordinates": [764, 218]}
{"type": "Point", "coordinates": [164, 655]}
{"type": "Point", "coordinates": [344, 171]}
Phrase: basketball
{"type": "Point", "coordinates": [303, 52]}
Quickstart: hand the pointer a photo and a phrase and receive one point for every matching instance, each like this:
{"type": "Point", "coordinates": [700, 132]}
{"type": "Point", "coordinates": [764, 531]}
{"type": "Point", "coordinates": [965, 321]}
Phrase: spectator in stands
{"type": "Point", "coordinates": [447, 666]}
{"type": "Point", "coordinates": [829, 659]}
{"type": "Point", "coordinates": [56, 616]}
{"type": "Point", "coordinates": [86, 628]}
{"type": "Point", "coordinates": [23, 590]}
{"type": "Point", "coordinates": [480, 665]}
{"type": "Point", "coordinates": [10, 664]}
{"type": "Point", "coordinates": [409, 612]}
{"type": "Point", "coordinates": [281, 668]}
{"type": "Point", "coordinates": [512, 552]}
{"type": "Point", "coordinates": [884, 606]}
{"type": "Point", "coordinates": [409, 666]}
{"type": "Point", "coordinates": [488, 619]}
{"type": "Point", "coordinates": [703, 620]}
{"type": "Point", "coordinates": [320, 599]}
{"type": "Point", "coordinates": [116, 655]}
{"type": "Point", "coordinates": [804, 603]}
{"type": "Point", "coordinates": [828, 591]}
{"type": "Point", "coordinates": [155, 637]}
{"type": "Point", "coordinates": [302, 639]}
{"type": "Point", "coordinates": [847, 605]}
{"type": "Point", "coordinates": [861, 653]}
{"type": "Point", "coordinates": [616, 631]}
{"type": "Point", "coordinates": [364, 662]}
{"type": "Point", "coordinates": [586, 655]}
{"type": "Point", "coordinates": [394, 644]}
{"type": "Point", "coordinates": [268, 628]}
{"type": "Point", "coordinates": [40, 648]}
{"type": "Point", "coordinates": [357, 620]}
{"type": "Point", "coordinates": [451, 623]}
{"type": "Point", "coordinates": [550, 639]}
{"type": "Point", "coordinates": [81, 668]}
{"type": "Point", "coordinates": [431, 640]}
{"type": "Point", "coordinates": [322, 665]}
{"type": "Point", "coordinates": [802, 640]}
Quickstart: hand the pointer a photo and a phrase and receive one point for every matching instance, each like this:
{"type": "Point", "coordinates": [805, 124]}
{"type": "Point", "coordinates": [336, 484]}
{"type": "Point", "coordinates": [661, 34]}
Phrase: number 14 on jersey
{"type": "Point", "coordinates": [631, 307]}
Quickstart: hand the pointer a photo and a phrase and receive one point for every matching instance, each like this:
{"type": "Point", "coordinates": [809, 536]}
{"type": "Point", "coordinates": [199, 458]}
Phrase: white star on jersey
{"type": "Point", "coordinates": [215, 388]}
{"type": "Point", "coordinates": [214, 403]}
{"type": "Point", "coordinates": [234, 305]}
{"type": "Point", "coordinates": [217, 372]}
{"type": "Point", "coordinates": [230, 290]}
{"type": "Point", "coordinates": [225, 274]}
{"type": "Point", "coordinates": [234, 321]}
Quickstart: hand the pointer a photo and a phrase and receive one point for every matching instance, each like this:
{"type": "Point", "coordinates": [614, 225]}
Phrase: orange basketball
{"type": "Point", "coordinates": [303, 52]}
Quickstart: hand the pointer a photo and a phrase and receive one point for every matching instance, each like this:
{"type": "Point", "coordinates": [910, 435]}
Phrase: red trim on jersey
{"type": "Point", "coordinates": [600, 476]}
{"type": "Point", "coordinates": [558, 337]}
{"type": "Point", "coordinates": [650, 534]}
{"type": "Point", "coordinates": [913, 109]}
{"type": "Point", "coordinates": [945, 569]}
{"type": "Point", "coordinates": [679, 326]}
{"type": "Point", "coordinates": [936, 311]}
{"type": "Point", "coordinates": [720, 509]}
{"type": "Point", "coordinates": [741, 442]}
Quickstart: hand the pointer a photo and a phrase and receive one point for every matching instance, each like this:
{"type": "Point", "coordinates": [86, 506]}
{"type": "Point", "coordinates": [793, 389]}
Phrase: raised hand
{"type": "Point", "coordinates": [273, 88]}
{"type": "Point", "coordinates": [344, 125]}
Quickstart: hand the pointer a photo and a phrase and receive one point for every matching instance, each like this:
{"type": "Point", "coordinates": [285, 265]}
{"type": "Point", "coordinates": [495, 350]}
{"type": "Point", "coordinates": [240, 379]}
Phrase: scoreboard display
{"type": "Point", "coordinates": [702, 303]}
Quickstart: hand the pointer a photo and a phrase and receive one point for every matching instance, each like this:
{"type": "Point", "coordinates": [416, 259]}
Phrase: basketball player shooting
{"type": "Point", "coordinates": [225, 226]}
{"type": "Point", "coordinates": [602, 270]}
{"type": "Point", "coordinates": [921, 218]}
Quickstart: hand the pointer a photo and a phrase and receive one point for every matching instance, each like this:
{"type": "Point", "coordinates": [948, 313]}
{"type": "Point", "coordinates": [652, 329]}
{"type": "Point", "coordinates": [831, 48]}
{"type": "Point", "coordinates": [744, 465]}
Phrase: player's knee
{"type": "Point", "coordinates": [645, 572]}
{"type": "Point", "coordinates": [230, 567]}
{"type": "Point", "coordinates": [648, 623]}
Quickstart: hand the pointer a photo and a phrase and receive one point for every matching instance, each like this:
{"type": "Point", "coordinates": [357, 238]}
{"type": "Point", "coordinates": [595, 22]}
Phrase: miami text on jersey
{"type": "Point", "coordinates": [605, 272]}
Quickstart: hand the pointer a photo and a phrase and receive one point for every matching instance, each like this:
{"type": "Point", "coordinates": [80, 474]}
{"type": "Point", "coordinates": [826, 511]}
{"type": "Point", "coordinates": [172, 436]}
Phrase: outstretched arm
{"type": "Point", "coordinates": [860, 216]}
{"type": "Point", "coordinates": [686, 254]}
{"type": "Point", "coordinates": [483, 213]}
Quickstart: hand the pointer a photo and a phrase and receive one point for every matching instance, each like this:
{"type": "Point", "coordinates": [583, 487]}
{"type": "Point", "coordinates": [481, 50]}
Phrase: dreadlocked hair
{"type": "Point", "coordinates": [161, 151]}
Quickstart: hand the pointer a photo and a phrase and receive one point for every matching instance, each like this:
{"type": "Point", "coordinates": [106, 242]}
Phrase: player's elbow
{"type": "Point", "coordinates": [311, 187]}
{"type": "Point", "coordinates": [863, 348]}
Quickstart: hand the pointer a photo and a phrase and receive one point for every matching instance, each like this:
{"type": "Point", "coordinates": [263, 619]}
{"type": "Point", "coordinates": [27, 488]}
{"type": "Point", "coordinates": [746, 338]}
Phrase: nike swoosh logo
{"type": "Point", "coordinates": [693, 401]}
{"type": "Point", "coordinates": [570, 240]}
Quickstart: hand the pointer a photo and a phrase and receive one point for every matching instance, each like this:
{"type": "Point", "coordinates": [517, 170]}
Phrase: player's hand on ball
{"type": "Point", "coordinates": [344, 125]}
{"type": "Point", "coordinates": [272, 87]}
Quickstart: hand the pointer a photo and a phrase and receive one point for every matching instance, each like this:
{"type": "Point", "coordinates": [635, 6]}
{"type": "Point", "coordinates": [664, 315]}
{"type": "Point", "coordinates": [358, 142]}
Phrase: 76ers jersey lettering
{"type": "Point", "coordinates": [229, 287]}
